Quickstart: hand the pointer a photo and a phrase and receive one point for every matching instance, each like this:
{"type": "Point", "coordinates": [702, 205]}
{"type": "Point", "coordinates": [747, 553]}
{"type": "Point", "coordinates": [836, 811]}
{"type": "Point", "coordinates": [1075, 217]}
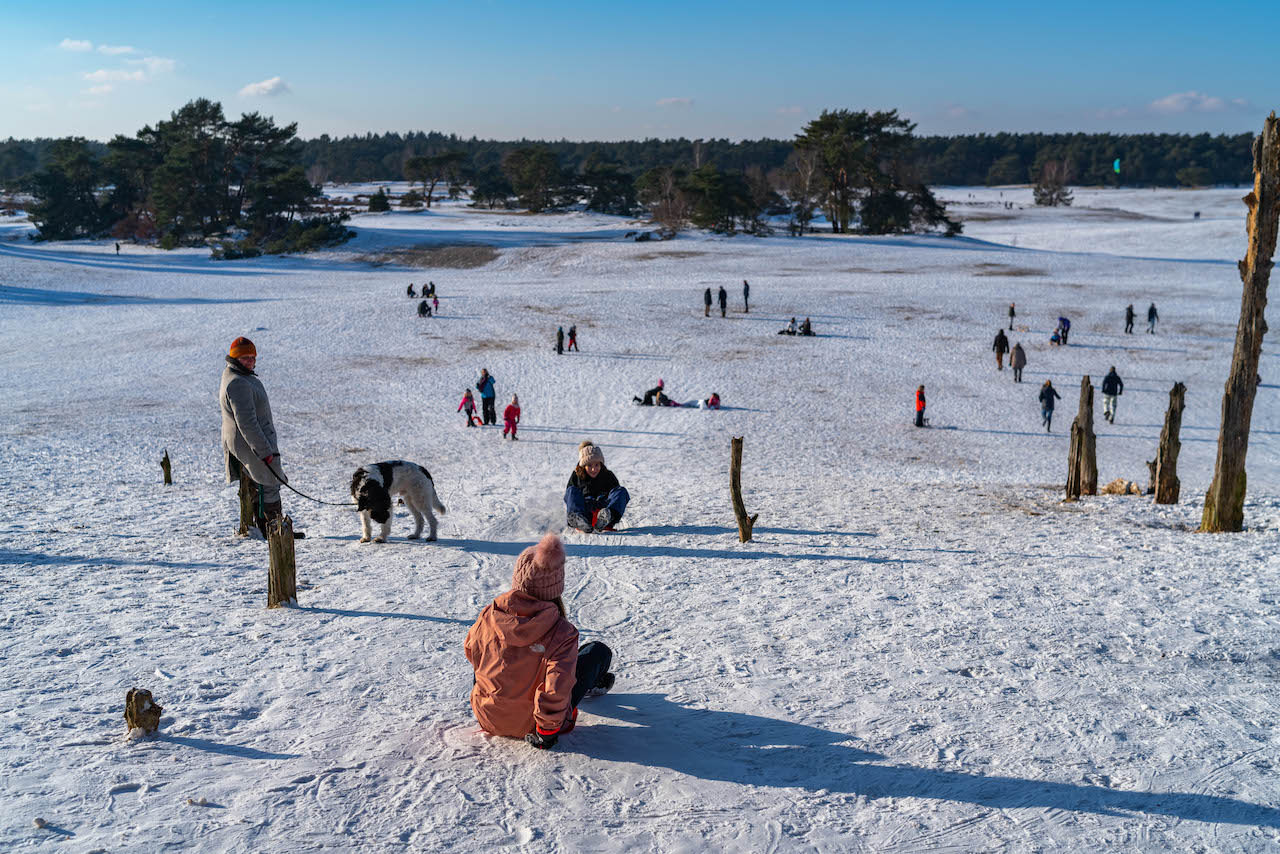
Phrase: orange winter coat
{"type": "Point", "coordinates": [525, 656]}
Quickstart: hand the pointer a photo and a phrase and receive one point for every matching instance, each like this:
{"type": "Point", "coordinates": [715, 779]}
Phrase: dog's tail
{"type": "Point", "coordinates": [435, 502]}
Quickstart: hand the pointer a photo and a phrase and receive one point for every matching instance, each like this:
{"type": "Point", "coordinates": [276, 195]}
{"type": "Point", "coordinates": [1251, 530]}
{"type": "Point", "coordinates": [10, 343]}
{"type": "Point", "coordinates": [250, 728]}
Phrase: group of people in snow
{"type": "Point", "coordinates": [805, 328]}
{"type": "Point", "coordinates": [656, 396]}
{"type": "Point", "coordinates": [723, 299]}
{"type": "Point", "coordinates": [430, 302]}
{"type": "Point", "coordinates": [1130, 315]}
{"type": "Point", "coordinates": [488, 406]}
{"type": "Point", "coordinates": [573, 339]}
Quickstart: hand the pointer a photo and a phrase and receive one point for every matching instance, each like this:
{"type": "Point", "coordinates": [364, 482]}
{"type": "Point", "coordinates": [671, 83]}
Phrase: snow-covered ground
{"type": "Point", "coordinates": [921, 648]}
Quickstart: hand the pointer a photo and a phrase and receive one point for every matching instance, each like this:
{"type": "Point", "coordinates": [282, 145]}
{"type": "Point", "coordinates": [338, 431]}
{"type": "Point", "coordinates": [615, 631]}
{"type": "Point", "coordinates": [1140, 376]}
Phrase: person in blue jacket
{"type": "Point", "coordinates": [593, 499]}
{"type": "Point", "coordinates": [487, 398]}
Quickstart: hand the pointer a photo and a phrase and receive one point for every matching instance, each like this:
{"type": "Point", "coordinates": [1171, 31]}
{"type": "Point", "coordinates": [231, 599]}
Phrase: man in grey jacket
{"type": "Point", "coordinates": [248, 434]}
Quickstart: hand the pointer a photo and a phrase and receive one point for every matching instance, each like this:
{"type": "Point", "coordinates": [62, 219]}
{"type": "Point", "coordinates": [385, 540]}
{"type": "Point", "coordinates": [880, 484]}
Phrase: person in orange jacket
{"type": "Point", "coordinates": [530, 674]}
{"type": "Point", "coordinates": [920, 404]}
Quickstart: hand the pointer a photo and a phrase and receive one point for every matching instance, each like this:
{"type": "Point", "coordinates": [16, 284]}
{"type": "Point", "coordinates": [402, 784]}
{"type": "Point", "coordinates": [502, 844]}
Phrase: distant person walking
{"type": "Point", "coordinates": [1000, 346]}
{"type": "Point", "coordinates": [487, 397]}
{"type": "Point", "coordinates": [706, 303]}
{"type": "Point", "coordinates": [118, 252]}
{"type": "Point", "coordinates": [1129, 315]}
{"type": "Point", "coordinates": [724, 300]}
{"type": "Point", "coordinates": [1017, 361]}
{"type": "Point", "coordinates": [1012, 315]}
{"type": "Point", "coordinates": [746, 297]}
{"type": "Point", "coordinates": [920, 405]}
{"type": "Point", "coordinates": [1064, 329]}
{"type": "Point", "coordinates": [435, 303]}
{"type": "Point", "coordinates": [1152, 317]}
{"type": "Point", "coordinates": [1112, 388]}
{"type": "Point", "coordinates": [560, 341]}
{"type": "Point", "coordinates": [1048, 394]}
{"type": "Point", "coordinates": [468, 407]}
{"type": "Point", "coordinates": [573, 338]}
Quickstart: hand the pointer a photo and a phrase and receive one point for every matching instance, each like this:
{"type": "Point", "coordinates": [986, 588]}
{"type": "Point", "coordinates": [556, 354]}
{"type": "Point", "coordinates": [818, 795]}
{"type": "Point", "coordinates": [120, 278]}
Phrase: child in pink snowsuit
{"type": "Point", "coordinates": [468, 406]}
{"type": "Point", "coordinates": [511, 417]}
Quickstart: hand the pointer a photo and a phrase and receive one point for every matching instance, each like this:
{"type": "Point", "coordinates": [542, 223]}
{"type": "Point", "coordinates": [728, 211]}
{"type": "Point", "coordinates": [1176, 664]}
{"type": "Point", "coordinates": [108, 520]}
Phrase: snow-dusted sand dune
{"type": "Point", "coordinates": [921, 649]}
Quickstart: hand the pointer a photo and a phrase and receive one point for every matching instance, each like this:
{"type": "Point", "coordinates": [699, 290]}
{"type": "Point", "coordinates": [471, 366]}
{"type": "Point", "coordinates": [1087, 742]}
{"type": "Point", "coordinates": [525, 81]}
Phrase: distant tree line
{"type": "Point", "coordinates": [193, 177]}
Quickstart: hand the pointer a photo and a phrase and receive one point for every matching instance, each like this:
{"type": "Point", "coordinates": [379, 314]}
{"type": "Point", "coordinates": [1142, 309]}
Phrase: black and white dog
{"type": "Point", "coordinates": [374, 486]}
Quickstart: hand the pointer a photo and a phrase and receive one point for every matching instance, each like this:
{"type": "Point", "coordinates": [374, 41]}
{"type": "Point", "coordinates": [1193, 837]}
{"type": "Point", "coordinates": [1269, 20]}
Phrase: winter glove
{"type": "Point", "coordinates": [268, 459]}
{"type": "Point", "coordinates": [542, 740]}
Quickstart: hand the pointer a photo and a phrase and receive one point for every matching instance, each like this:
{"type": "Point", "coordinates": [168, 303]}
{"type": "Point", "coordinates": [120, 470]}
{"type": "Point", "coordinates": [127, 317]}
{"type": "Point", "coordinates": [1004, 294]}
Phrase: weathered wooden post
{"type": "Point", "coordinates": [1224, 503]}
{"type": "Point", "coordinates": [1165, 480]}
{"type": "Point", "coordinates": [248, 505]}
{"type": "Point", "coordinates": [282, 580]}
{"type": "Point", "coordinates": [745, 522]}
{"type": "Point", "coordinates": [165, 467]}
{"type": "Point", "coordinates": [1082, 458]}
{"type": "Point", "coordinates": [141, 711]}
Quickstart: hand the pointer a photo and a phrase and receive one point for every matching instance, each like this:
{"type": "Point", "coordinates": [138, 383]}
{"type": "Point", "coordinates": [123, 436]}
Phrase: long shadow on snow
{"type": "Point", "coordinates": [585, 430]}
{"type": "Point", "coordinates": [345, 612]}
{"type": "Point", "coordinates": [721, 529]}
{"type": "Point", "coordinates": [225, 749]}
{"type": "Point", "coordinates": [574, 549]}
{"type": "Point", "coordinates": [1068, 434]}
{"type": "Point", "coordinates": [40, 559]}
{"type": "Point", "coordinates": [41, 296]}
{"type": "Point", "coordinates": [758, 751]}
{"type": "Point", "coordinates": [636, 357]}
{"type": "Point", "coordinates": [129, 263]}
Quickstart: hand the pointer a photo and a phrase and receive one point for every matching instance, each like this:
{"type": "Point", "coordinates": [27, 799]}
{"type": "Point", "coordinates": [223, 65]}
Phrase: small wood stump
{"type": "Point", "coordinates": [141, 711]}
{"type": "Point", "coordinates": [166, 468]}
{"type": "Point", "coordinates": [1082, 459]}
{"type": "Point", "coordinates": [1167, 485]}
{"type": "Point", "coordinates": [248, 505]}
{"type": "Point", "coordinates": [745, 522]}
{"type": "Point", "coordinates": [282, 577]}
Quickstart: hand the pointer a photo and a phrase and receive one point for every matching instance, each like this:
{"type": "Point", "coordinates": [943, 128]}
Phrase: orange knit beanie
{"type": "Point", "coordinates": [242, 347]}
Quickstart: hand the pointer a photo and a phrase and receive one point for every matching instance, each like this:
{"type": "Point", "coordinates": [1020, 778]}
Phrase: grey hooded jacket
{"type": "Point", "coordinates": [248, 433]}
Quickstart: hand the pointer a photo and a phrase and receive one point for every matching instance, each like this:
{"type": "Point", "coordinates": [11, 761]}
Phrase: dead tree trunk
{"type": "Point", "coordinates": [1224, 503]}
{"type": "Point", "coordinates": [248, 505]}
{"type": "Point", "coordinates": [1082, 458]}
{"type": "Point", "coordinates": [282, 577]}
{"type": "Point", "coordinates": [745, 522]}
{"type": "Point", "coordinates": [141, 711]}
{"type": "Point", "coordinates": [165, 466]}
{"type": "Point", "coordinates": [1166, 471]}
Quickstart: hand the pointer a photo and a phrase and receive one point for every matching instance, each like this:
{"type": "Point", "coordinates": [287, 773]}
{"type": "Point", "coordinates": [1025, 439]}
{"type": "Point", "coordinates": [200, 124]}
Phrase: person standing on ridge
{"type": "Point", "coordinates": [1129, 315]}
{"type": "Point", "coordinates": [724, 300]}
{"type": "Point", "coordinates": [1012, 315]}
{"type": "Point", "coordinates": [1152, 317]}
{"type": "Point", "coordinates": [1000, 346]}
{"type": "Point", "coordinates": [920, 404]}
{"type": "Point", "coordinates": [1018, 361]}
{"type": "Point", "coordinates": [249, 444]}
{"type": "Point", "coordinates": [1047, 396]}
{"type": "Point", "coordinates": [573, 338]}
{"type": "Point", "coordinates": [746, 297]}
{"type": "Point", "coordinates": [560, 341]}
{"type": "Point", "coordinates": [1112, 388]}
{"type": "Point", "coordinates": [706, 303]}
{"type": "Point", "coordinates": [487, 398]}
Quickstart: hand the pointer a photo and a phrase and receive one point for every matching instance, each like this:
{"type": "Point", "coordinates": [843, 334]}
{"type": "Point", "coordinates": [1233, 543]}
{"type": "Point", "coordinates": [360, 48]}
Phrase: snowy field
{"type": "Point", "coordinates": [921, 650]}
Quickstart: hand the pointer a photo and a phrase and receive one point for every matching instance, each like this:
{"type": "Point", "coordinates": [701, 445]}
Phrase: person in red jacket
{"type": "Point", "coordinates": [920, 403]}
{"type": "Point", "coordinates": [530, 674]}
{"type": "Point", "coordinates": [511, 417]}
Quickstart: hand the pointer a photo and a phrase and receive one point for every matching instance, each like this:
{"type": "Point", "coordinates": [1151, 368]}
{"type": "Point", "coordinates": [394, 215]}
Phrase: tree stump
{"type": "Point", "coordinates": [745, 522]}
{"type": "Point", "coordinates": [248, 505]}
{"type": "Point", "coordinates": [165, 467]}
{"type": "Point", "coordinates": [282, 579]}
{"type": "Point", "coordinates": [1165, 480]}
{"type": "Point", "coordinates": [1224, 503]}
{"type": "Point", "coordinates": [1082, 458]}
{"type": "Point", "coordinates": [141, 711]}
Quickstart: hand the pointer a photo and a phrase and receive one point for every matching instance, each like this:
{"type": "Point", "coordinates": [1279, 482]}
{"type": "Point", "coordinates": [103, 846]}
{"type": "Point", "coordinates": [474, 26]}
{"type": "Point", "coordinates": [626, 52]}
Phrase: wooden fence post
{"type": "Point", "coordinates": [248, 505]}
{"type": "Point", "coordinates": [282, 578]}
{"type": "Point", "coordinates": [1224, 503]}
{"type": "Point", "coordinates": [1166, 470]}
{"type": "Point", "coordinates": [165, 466]}
{"type": "Point", "coordinates": [745, 522]}
{"type": "Point", "coordinates": [1082, 458]}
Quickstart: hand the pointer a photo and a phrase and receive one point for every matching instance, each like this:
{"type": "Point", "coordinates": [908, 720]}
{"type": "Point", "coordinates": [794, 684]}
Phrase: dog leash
{"type": "Point", "coordinates": [286, 485]}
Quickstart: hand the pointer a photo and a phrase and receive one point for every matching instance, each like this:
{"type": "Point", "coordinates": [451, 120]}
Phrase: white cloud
{"type": "Point", "coordinates": [114, 49]}
{"type": "Point", "coordinates": [1196, 102]}
{"type": "Point", "coordinates": [99, 90]}
{"type": "Point", "coordinates": [266, 88]}
{"type": "Point", "coordinates": [77, 45]}
{"type": "Point", "coordinates": [104, 75]}
{"type": "Point", "coordinates": [675, 102]}
{"type": "Point", "coordinates": [154, 64]}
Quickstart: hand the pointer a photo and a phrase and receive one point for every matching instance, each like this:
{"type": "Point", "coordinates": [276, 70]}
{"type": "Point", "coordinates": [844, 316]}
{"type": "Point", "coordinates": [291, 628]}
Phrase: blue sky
{"type": "Point", "coordinates": [634, 70]}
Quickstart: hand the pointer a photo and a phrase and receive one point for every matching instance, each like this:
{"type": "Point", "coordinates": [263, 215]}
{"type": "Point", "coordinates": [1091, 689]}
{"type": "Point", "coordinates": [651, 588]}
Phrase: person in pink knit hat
{"type": "Point", "coordinates": [530, 674]}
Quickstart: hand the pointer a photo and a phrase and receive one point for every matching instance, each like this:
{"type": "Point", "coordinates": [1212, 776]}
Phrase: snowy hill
{"type": "Point", "coordinates": [921, 649]}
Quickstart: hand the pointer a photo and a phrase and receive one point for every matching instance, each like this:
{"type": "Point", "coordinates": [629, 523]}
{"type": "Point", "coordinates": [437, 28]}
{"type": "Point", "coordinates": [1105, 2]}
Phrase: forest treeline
{"type": "Point", "coordinates": [970, 160]}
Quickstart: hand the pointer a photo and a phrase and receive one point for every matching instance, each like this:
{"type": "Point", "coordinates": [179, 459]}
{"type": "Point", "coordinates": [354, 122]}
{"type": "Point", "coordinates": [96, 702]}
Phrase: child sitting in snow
{"type": "Point", "coordinates": [530, 674]}
{"type": "Point", "coordinates": [593, 499]}
{"type": "Point", "coordinates": [511, 417]}
{"type": "Point", "coordinates": [654, 396]}
{"type": "Point", "coordinates": [468, 406]}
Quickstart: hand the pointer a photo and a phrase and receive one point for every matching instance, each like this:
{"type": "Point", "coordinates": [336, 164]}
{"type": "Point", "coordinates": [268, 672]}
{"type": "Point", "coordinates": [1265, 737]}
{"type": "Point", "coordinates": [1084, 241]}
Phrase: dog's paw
{"type": "Point", "coordinates": [364, 539]}
{"type": "Point", "coordinates": [379, 539]}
